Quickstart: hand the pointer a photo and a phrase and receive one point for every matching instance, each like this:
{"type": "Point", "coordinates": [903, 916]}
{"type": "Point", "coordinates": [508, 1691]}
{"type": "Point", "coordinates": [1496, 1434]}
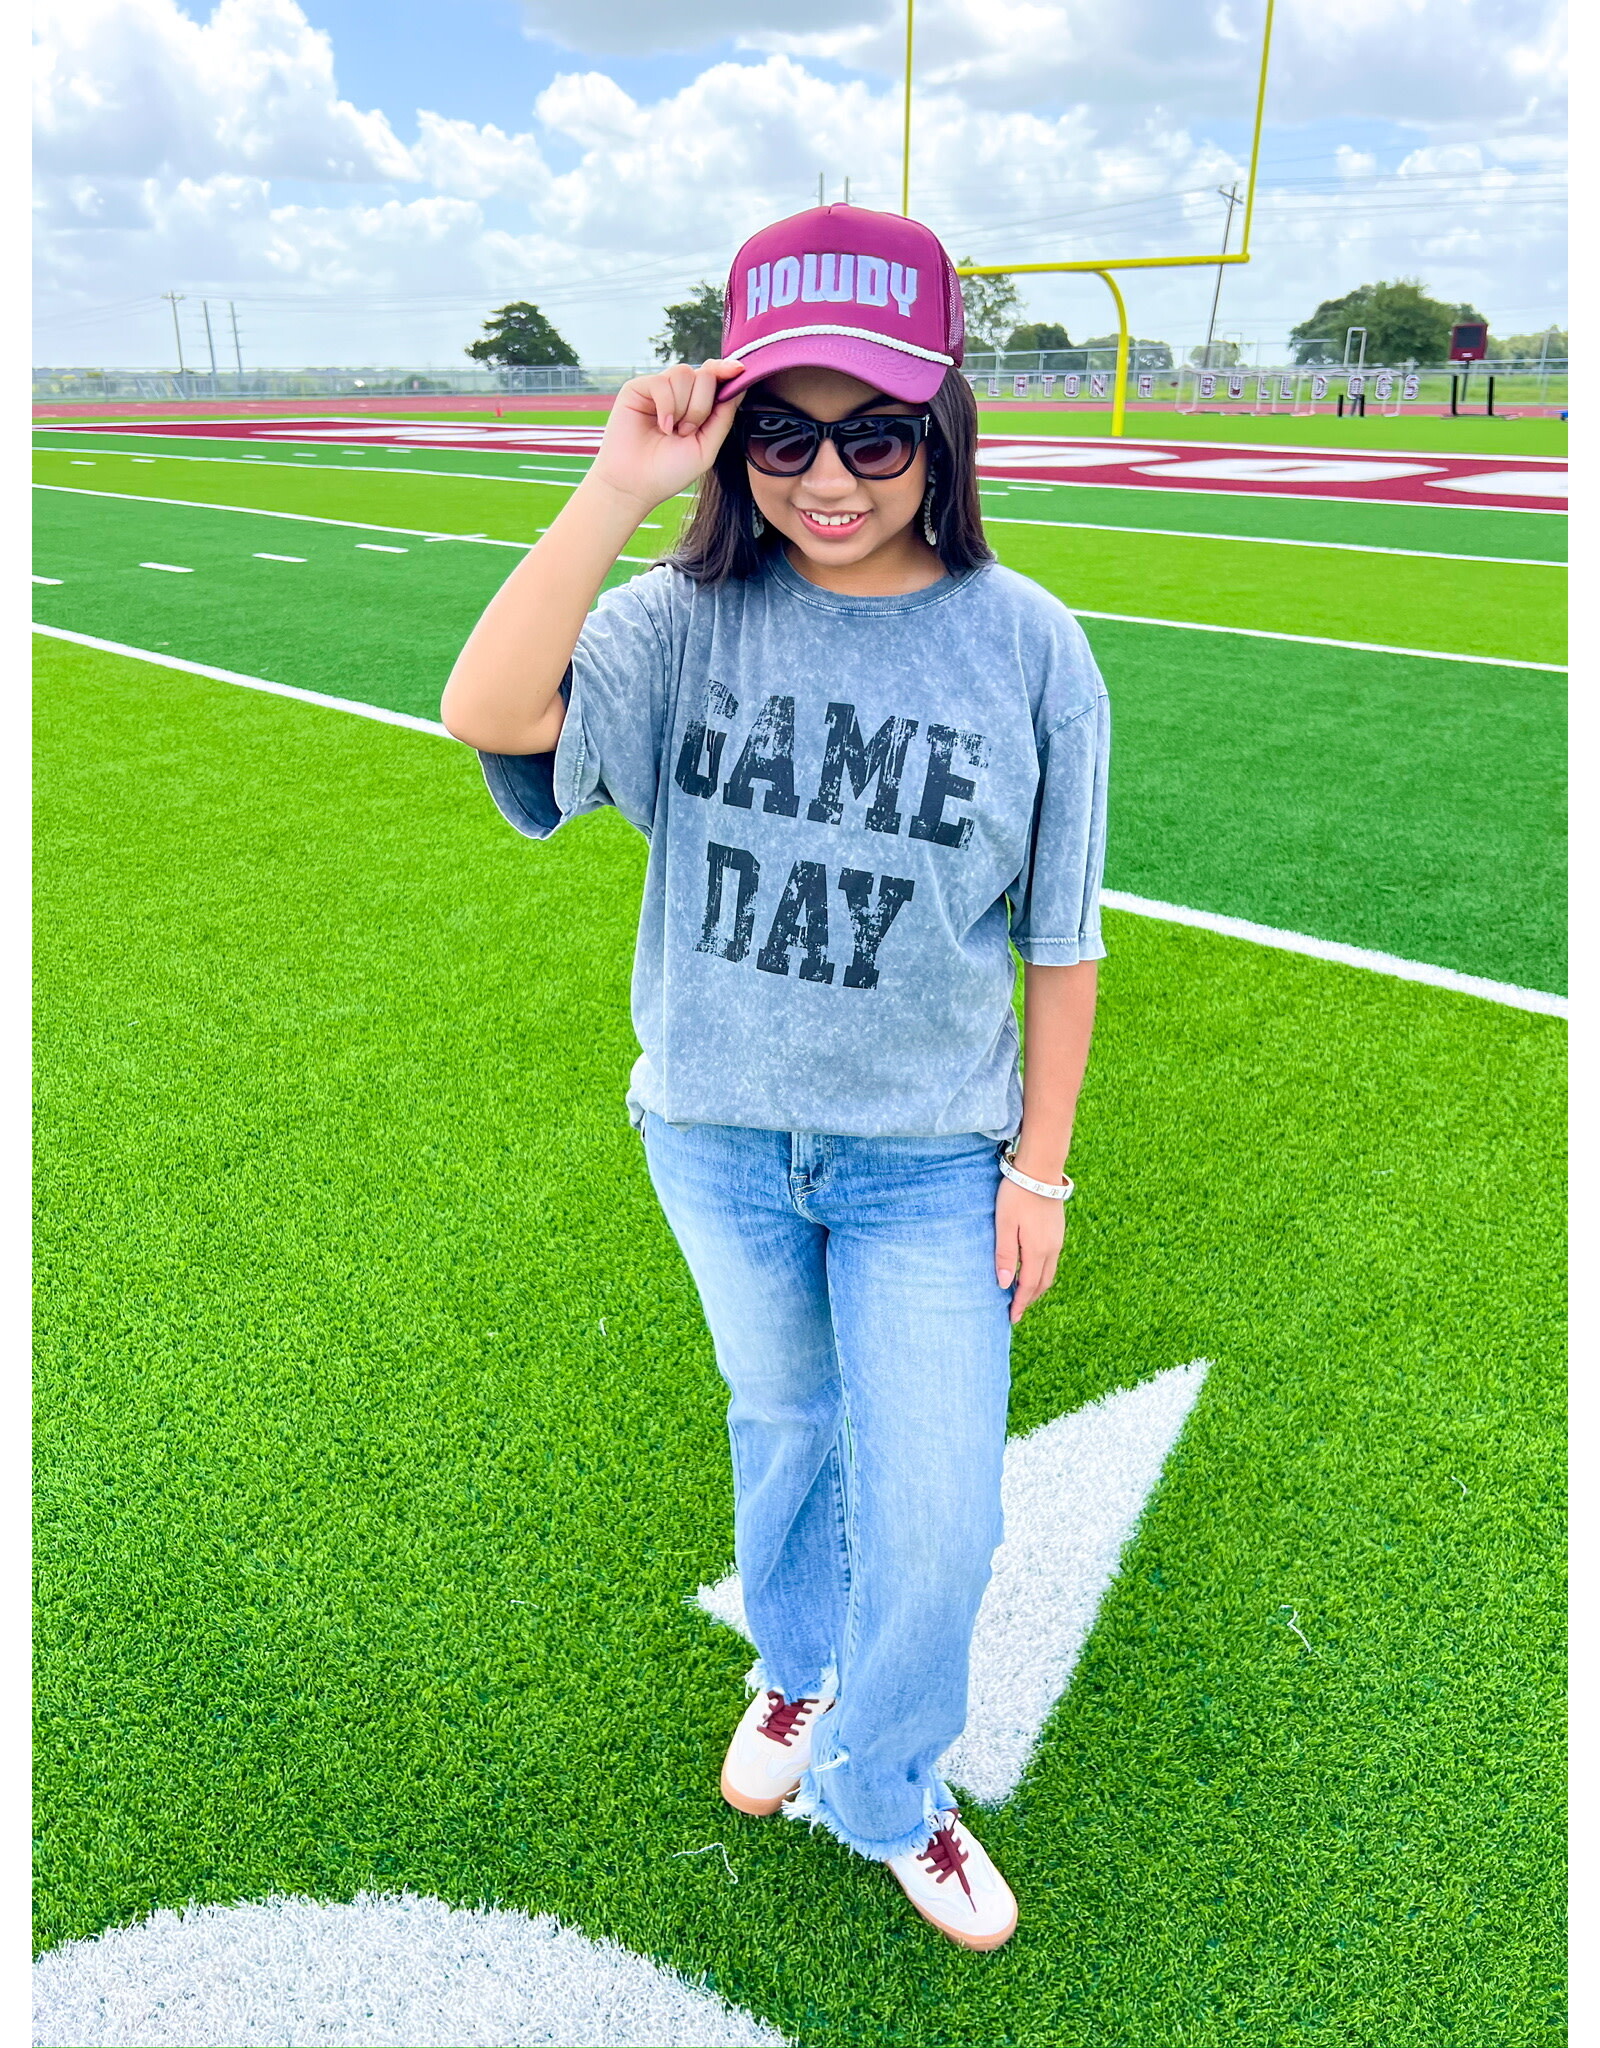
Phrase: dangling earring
{"type": "Point", "coordinates": [758, 525]}
{"type": "Point", "coordinates": [927, 518]}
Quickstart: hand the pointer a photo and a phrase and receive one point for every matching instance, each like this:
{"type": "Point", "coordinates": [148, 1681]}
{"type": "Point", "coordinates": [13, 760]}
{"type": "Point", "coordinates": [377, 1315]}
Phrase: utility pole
{"type": "Point", "coordinates": [176, 329]}
{"type": "Point", "coordinates": [847, 191]}
{"type": "Point", "coordinates": [211, 347]}
{"type": "Point", "coordinates": [822, 199]}
{"type": "Point", "coordinates": [1231, 194]}
{"type": "Point", "coordinates": [238, 359]}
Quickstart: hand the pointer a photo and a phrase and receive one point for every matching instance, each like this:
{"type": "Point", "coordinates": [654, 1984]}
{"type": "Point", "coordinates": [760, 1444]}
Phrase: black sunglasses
{"type": "Point", "coordinates": [874, 445]}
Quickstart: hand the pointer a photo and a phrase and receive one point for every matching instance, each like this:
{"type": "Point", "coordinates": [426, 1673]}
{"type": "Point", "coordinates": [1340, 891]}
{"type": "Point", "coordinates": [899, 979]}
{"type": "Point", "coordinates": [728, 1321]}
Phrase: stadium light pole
{"type": "Point", "coordinates": [238, 358]}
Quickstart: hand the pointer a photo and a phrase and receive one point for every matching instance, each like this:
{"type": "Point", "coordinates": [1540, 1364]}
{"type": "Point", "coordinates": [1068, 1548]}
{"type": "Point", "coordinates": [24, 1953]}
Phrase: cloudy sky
{"type": "Point", "coordinates": [363, 179]}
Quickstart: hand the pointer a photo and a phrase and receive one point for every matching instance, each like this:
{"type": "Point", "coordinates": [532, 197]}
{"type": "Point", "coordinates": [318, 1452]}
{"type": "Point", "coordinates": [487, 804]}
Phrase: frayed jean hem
{"type": "Point", "coordinates": [810, 1803]}
{"type": "Point", "coordinates": [758, 1679]}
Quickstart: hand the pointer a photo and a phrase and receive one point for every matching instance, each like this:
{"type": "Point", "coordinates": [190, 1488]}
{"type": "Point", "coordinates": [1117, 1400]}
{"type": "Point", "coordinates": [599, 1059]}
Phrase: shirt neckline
{"type": "Point", "coordinates": [789, 579]}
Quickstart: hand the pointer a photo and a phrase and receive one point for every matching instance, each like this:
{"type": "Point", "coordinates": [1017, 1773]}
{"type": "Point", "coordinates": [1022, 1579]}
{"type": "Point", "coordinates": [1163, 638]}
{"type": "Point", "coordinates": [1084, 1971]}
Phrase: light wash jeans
{"type": "Point", "coordinates": [850, 1290]}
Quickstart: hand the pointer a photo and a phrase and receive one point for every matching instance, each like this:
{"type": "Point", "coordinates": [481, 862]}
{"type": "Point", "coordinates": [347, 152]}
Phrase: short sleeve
{"type": "Point", "coordinates": [1055, 900]}
{"type": "Point", "coordinates": [612, 740]}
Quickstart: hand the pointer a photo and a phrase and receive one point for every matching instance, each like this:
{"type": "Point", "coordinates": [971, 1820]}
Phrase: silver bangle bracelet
{"type": "Point", "coordinates": [1013, 1172]}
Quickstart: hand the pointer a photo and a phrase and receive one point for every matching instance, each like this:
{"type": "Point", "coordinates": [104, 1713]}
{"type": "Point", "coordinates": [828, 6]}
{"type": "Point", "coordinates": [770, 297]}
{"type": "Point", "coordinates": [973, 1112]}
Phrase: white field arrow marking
{"type": "Point", "coordinates": [1073, 1492]}
{"type": "Point", "coordinates": [407, 1971]}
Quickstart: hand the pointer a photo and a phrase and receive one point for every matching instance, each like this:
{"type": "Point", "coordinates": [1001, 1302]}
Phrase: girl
{"type": "Point", "coordinates": [869, 762]}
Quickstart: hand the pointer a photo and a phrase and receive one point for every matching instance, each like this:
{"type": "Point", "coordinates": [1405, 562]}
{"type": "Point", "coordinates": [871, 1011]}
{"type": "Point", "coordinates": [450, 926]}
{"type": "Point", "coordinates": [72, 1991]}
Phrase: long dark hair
{"type": "Point", "coordinates": [719, 541]}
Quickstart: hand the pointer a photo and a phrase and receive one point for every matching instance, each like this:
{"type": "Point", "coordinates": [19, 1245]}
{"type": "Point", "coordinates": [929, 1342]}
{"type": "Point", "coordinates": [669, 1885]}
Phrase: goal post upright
{"type": "Point", "coordinates": [905, 138]}
{"type": "Point", "coordinates": [1119, 385]}
{"type": "Point", "coordinates": [1103, 268]}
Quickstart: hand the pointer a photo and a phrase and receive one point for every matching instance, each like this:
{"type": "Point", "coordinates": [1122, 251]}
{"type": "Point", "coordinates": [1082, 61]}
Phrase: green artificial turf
{"type": "Point", "coordinates": [1507, 609]}
{"type": "Point", "coordinates": [364, 1547]}
{"type": "Point", "coordinates": [1413, 807]}
{"type": "Point", "coordinates": [190, 450]}
{"type": "Point", "coordinates": [205, 469]}
{"type": "Point", "coordinates": [1431, 529]}
{"type": "Point", "coordinates": [1410, 806]}
{"type": "Point", "coordinates": [1492, 608]}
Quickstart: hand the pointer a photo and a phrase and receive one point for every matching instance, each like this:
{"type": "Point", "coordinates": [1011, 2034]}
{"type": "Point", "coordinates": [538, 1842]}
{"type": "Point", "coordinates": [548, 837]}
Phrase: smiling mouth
{"type": "Point", "coordinates": [833, 524]}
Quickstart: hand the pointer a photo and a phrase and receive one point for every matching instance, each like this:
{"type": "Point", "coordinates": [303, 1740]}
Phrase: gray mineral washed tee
{"type": "Point", "coordinates": [856, 807]}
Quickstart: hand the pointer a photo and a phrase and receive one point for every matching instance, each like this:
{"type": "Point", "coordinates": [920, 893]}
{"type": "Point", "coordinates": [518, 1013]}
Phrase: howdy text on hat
{"type": "Point", "coordinates": [831, 280]}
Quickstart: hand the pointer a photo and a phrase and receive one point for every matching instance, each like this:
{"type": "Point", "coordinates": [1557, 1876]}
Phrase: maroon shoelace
{"type": "Point", "coordinates": [945, 1854]}
{"type": "Point", "coordinates": [783, 1718]}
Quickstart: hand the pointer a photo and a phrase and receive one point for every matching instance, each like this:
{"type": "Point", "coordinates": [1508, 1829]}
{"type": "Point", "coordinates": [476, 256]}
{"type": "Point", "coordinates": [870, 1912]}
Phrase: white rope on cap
{"type": "Point", "coordinates": [905, 348]}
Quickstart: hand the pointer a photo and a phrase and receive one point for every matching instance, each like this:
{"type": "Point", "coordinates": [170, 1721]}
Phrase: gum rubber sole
{"type": "Point", "coordinates": [762, 1809]}
{"type": "Point", "coordinates": [981, 1943]}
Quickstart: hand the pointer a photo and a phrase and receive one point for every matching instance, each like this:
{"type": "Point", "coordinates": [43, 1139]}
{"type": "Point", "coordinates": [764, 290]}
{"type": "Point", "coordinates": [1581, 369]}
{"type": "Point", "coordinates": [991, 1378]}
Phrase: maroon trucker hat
{"type": "Point", "coordinates": [845, 288]}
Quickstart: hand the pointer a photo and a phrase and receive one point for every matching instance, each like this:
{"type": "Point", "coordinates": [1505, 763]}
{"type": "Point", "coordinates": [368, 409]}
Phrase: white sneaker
{"type": "Point", "coordinates": [956, 1888]}
{"type": "Point", "coordinates": [770, 1751]}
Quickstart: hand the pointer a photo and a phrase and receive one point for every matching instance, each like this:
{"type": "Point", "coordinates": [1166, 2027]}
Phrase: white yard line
{"type": "Point", "coordinates": [1504, 992]}
{"type": "Point", "coordinates": [228, 675]}
{"type": "Point", "coordinates": [169, 568]}
{"type": "Point", "coordinates": [260, 512]}
{"type": "Point", "coordinates": [475, 476]}
{"type": "Point", "coordinates": [1346, 956]}
{"type": "Point", "coordinates": [277, 558]}
{"type": "Point", "coordinates": [1272, 540]}
{"type": "Point", "coordinates": [378, 547]}
{"type": "Point", "coordinates": [47, 579]}
{"type": "Point", "coordinates": [1554, 668]}
{"type": "Point", "coordinates": [1120, 618]}
{"type": "Point", "coordinates": [1088, 483]}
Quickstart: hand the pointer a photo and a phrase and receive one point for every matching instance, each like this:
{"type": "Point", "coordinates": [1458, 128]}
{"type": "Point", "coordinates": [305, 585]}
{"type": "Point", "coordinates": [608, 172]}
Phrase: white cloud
{"type": "Point", "coordinates": [1424, 61]}
{"type": "Point", "coordinates": [640, 27]}
{"type": "Point", "coordinates": [1040, 130]}
{"type": "Point", "coordinates": [1424, 163]}
{"type": "Point", "coordinates": [136, 88]}
{"type": "Point", "coordinates": [479, 163]}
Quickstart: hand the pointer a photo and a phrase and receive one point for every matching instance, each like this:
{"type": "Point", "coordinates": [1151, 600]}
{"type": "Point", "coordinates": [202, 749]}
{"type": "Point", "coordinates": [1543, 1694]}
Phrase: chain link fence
{"type": "Point", "coordinates": [1074, 374]}
{"type": "Point", "coordinates": [354, 383]}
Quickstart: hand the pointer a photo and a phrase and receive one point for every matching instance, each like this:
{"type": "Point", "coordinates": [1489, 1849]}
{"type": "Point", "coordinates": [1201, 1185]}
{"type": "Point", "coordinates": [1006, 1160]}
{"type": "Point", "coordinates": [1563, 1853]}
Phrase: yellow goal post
{"type": "Point", "coordinates": [1103, 268]}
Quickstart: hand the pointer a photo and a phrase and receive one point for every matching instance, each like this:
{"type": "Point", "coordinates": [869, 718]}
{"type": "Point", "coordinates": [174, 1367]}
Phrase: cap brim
{"type": "Point", "coordinates": [896, 375]}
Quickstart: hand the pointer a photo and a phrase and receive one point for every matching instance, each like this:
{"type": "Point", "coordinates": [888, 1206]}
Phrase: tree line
{"type": "Point", "coordinates": [1403, 324]}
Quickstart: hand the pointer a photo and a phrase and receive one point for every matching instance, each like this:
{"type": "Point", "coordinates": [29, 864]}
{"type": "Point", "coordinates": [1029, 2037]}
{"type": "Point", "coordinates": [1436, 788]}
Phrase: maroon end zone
{"type": "Point", "coordinates": [1524, 483]}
